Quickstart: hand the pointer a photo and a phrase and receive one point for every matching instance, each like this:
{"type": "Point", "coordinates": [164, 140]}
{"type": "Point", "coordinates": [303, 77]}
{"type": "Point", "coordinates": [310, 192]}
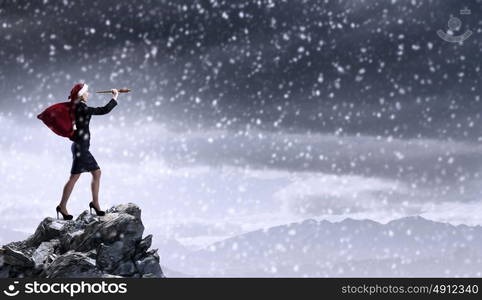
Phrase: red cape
{"type": "Point", "coordinates": [59, 118]}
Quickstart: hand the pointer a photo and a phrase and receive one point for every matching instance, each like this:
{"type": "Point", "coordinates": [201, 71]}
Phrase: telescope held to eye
{"type": "Point", "coordinates": [109, 91]}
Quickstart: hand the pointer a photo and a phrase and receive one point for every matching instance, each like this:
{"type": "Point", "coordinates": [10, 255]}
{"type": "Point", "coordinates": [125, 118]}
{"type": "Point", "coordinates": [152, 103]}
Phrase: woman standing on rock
{"type": "Point", "coordinates": [83, 161]}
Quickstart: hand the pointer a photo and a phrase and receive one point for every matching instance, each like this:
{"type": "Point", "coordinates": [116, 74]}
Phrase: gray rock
{"type": "Point", "coordinates": [92, 254]}
{"type": "Point", "coordinates": [4, 268]}
{"type": "Point", "coordinates": [18, 254]}
{"type": "Point", "coordinates": [85, 218]}
{"type": "Point", "coordinates": [44, 251]}
{"type": "Point", "coordinates": [110, 228]}
{"type": "Point", "coordinates": [143, 246]}
{"type": "Point", "coordinates": [110, 246]}
{"type": "Point", "coordinates": [109, 256]}
{"type": "Point", "coordinates": [4, 271]}
{"type": "Point", "coordinates": [125, 268]}
{"type": "Point", "coordinates": [72, 265]}
{"type": "Point", "coordinates": [129, 208]}
{"type": "Point", "coordinates": [67, 236]}
{"type": "Point", "coordinates": [48, 229]}
{"type": "Point", "coordinates": [149, 264]}
{"type": "Point", "coordinates": [111, 276]}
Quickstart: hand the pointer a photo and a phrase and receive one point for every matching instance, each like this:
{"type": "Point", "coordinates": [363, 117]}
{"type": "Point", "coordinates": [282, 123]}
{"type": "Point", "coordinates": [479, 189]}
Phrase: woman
{"type": "Point", "coordinates": [83, 161]}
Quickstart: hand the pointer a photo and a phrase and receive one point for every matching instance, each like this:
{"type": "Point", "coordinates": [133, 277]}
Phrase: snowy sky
{"type": "Point", "coordinates": [246, 114]}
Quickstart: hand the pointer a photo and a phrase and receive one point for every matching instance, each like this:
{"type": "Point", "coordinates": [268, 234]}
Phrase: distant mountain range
{"type": "Point", "coordinates": [406, 247]}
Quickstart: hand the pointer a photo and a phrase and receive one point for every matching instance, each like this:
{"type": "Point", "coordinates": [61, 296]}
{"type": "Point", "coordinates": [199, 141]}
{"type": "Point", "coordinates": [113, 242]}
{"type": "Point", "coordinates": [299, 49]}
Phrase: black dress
{"type": "Point", "coordinates": [83, 161]}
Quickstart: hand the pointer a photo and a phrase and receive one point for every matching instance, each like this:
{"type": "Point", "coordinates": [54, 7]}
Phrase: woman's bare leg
{"type": "Point", "coordinates": [95, 187]}
{"type": "Point", "coordinates": [69, 186]}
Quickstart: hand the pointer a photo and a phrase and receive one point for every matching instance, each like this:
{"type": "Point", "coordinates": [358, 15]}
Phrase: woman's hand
{"type": "Point", "coordinates": [115, 93]}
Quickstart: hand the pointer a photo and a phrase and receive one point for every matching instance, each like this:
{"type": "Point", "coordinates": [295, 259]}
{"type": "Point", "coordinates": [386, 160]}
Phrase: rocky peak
{"type": "Point", "coordinates": [89, 246]}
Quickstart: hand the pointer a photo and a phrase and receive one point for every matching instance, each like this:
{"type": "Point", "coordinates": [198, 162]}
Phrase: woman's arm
{"type": "Point", "coordinates": [101, 110]}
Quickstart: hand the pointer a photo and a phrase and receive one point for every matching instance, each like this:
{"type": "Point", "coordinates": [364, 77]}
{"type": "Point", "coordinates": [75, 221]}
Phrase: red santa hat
{"type": "Point", "coordinates": [78, 90]}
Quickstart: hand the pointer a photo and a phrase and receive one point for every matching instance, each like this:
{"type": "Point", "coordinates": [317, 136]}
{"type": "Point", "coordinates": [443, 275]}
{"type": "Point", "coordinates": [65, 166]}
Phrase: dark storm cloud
{"type": "Point", "coordinates": [301, 70]}
{"type": "Point", "coordinates": [427, 162]}
{"type": "Point", "coordinates": [369, 67]}
{"type": "Point", "coordinates": [445, 166]}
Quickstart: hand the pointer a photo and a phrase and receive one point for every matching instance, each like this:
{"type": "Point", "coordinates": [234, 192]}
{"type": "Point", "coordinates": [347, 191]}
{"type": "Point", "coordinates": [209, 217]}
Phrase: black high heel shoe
{"type": "Point", "coordinates": [66, 216]}
{"type": "Point", "coordinates": [98, 212]}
